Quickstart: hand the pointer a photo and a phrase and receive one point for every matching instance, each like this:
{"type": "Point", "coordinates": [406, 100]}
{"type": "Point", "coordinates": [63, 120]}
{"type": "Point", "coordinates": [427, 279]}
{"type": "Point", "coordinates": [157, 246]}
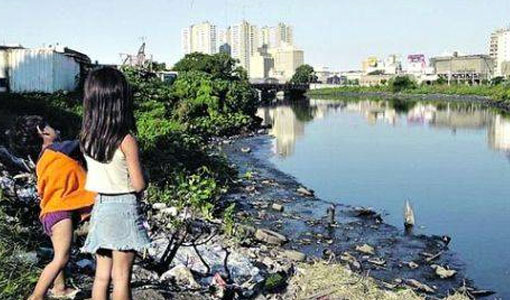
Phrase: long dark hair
{"type": "Point", "coordinates": [107, 113]}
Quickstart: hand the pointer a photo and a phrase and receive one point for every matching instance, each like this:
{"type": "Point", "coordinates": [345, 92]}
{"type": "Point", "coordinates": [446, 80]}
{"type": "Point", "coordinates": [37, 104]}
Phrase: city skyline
{"type": "Point", "coordinates": [263, 51]}
{"type": "Point", "coordinates": [337, 34]}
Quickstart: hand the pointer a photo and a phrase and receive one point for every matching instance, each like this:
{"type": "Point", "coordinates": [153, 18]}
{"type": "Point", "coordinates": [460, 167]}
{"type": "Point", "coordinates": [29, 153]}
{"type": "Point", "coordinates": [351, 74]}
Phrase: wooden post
{"type": "Point", "coordinates": [331, 215]}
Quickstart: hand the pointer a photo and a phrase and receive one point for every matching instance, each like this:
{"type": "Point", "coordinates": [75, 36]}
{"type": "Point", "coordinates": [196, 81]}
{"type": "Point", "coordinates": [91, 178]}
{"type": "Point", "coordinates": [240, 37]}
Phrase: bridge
{"type": "Point", "coordinates": [269, 89]}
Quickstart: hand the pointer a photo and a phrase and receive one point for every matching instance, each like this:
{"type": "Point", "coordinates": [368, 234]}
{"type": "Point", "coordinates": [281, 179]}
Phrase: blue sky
{"type": "Point", "coordinates": [334, 33]}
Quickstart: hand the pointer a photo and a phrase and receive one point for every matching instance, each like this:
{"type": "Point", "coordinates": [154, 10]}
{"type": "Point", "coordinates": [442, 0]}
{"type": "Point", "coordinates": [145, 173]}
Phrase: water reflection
{"type": "Point", "coordinates": [449, 158]}
{"type": "Point", "coordinates": [499, 134]}
{"type": "Point", "coordinates": [288, 120]}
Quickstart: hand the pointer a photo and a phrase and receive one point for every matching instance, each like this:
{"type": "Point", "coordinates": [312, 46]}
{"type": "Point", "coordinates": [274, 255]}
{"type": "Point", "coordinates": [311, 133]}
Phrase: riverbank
{"type": "Point", "coordinates": [359, 238]}
{"type": "Point", "coordinates": [214, 265]}
{"type": "Point", "coordinates": [493, 96]}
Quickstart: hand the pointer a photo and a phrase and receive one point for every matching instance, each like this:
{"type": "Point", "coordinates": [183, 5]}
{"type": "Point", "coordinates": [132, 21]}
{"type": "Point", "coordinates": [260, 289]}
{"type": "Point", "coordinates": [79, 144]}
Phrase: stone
{"type": "Point", "coordinates": [366, 249]}
{"type": "Point", "coordinates": [268, 262]}
{"type": "Point", "coordinates": [270, 237]}
{"type": "Point", "coordinates": [277, 207]}
{"type": "Point", "coordinates": [29, 257]}
{"type": "Point", "coordinates": [377, 261]}
{"type": "Point", "coordinates": [412, 265]}
{"type": "Point", "coordinates": [158, 206]}
{"type": "Point", "coordinates": [181, 275]}
{"type": "Point", "coordinates": [347, 257]}
{"type": "Point", "coordinates": [142, 274]}
{"type": "Point", "coordinates": [415, 284]}
{"type": "Point", "coordinates": [147, 294]}
{"type": "Point", "coordinates": [305, 192]}
{"type": "Point", "coordinates": [442, 272]}
{"type": "Point", "coordinates": [170, 211]}
{"type": "Point", "coordinates": [294, 255]}
{"type": "Point", "coordinates": [246, 149]}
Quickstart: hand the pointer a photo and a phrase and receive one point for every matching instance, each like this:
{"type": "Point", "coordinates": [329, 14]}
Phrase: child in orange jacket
{"type": "Point", "coordinates": [64, 201]}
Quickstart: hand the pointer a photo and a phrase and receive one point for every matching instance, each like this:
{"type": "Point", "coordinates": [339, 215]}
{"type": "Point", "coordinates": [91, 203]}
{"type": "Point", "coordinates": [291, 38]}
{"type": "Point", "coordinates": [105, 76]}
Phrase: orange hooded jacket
{"type": "Point", "coordinates": [61, 179]}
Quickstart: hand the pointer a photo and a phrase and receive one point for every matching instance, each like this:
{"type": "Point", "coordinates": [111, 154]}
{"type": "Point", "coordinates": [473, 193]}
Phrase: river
{"type": "Point", "coordinates": [450, 159]}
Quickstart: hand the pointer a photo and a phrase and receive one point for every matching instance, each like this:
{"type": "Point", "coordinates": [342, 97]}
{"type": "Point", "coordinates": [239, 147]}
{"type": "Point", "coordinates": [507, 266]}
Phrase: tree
{"type": "Point", "coordinates": [156, 66]}
{"type": "Point", "coordinates": [304, 74]}
{"type": "Point", "coordinates": [377, 72]}
{"type": "Point", "coordinates": [400, 83]}
{"type": "Point", "coordinates": [219, 65]}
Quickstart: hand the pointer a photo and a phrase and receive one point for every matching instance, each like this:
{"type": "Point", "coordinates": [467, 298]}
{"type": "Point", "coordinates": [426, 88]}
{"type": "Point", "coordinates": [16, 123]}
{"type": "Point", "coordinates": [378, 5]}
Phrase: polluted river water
{"type": "Point", "coordinates": [450, 160]}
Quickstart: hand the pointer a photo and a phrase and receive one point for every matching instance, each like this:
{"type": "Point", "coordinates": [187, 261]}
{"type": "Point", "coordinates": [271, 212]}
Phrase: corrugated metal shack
{"type": "Point", "coordinates": [44, 70]}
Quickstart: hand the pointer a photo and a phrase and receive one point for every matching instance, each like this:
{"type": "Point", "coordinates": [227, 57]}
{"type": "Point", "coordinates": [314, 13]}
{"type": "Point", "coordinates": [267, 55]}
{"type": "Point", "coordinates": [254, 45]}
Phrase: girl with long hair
{"type": "Point", "coordinates": [115, 174]}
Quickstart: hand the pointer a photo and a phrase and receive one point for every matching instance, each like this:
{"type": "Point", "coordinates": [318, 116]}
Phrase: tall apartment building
{"type": "Point", "coordinates": [244, 43]}
{"type": "Point", "coordinates": [240, 43]}
{"type": "Point", "coordinates": [281, 34]}
{"type": "Point", "coordinates": [499, 50]}
{"type": "Point", "coordinates": [264, 36]}
{"type": "Point", "coordinates": [199, 38]}
{"type": "Point", "coordinates": [223, 41]}
{"type": "Point", "coordinates": [276, 36]}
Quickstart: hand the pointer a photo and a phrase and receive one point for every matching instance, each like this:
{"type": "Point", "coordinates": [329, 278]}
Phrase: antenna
{"type": "Point", "coordinates": [226, 13]}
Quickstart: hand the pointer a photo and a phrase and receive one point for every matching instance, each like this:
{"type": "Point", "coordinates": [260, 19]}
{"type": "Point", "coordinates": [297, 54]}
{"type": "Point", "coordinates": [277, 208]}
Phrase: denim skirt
{"type": "Point", "coordinates": [116, 224]}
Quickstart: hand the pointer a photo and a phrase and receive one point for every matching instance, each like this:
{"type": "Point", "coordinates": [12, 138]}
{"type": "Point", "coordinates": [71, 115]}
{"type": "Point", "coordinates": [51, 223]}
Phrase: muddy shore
{"type": "Point", "coordinates": [392, 256]}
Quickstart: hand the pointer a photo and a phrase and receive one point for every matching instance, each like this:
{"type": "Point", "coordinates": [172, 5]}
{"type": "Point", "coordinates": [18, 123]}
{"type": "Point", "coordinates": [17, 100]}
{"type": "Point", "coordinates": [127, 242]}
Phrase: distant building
{"type": "Point", "coordinates": [352, 76]}
{"type": "Point", "coordinates": [372, 64]}
{"type": "Point", "coordinates": [46, 70]}
{"type": "Point", "coordinates": [260, 64]}
{"type": "Point", "coordinates": [225, 48]}
{"type": "Point", "coordinates": [467, 68]}
{"type": "Point", "coordinates": [287, 59]}
{"type": "Point", "coordinates": [323, 73]}
{"type": "Point", "coordinates": [199, 38]}
{"type": "Point", "coordinates": [393, 64]}
{"type": "Point", "coordinates": [276, 36]}
{"type": "Point", "coordinates": [374, 80]}
{"type": "Point", "coordinates": [335, 79]}
{"type": "Point", "coordinates": [223, 40]}
{"type": "Point", "coordinates": [416, 64]}
{"type": "Point", "coordinates": [499, 50]}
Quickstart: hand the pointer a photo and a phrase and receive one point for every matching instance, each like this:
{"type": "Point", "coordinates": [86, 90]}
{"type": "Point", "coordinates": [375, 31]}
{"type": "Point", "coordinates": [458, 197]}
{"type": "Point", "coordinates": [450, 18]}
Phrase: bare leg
{"type": "Point", "coordinates": [103, 275]}
{"type": "Point", "coordinates": [62, 234]}
{"type": "Point", "coordinates": [121, 274]}
{"type": "Point", "coordinates": [59, 286]}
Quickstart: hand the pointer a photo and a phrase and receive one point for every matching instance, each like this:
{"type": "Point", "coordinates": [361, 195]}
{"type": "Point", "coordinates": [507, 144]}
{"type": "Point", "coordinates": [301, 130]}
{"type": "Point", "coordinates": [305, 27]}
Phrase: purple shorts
{"type": "Point", "coordinates": [49, 220]}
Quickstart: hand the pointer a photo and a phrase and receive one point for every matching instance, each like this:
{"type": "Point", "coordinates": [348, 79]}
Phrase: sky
{"type": "Point", "coordinates": [333, 33]}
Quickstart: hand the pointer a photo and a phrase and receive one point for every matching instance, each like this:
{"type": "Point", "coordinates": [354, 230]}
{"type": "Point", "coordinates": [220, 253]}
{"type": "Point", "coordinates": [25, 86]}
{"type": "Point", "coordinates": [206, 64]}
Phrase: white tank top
{"type": "Point", "coordinates": [108, 178]}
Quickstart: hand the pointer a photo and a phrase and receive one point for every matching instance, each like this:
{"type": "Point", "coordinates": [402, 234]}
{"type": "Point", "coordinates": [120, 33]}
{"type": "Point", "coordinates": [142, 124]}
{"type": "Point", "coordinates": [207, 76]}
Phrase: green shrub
{"type": "Point", "coordinates": [401, 83]}
{"type": "Point", "coordinates": [18, 274]}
